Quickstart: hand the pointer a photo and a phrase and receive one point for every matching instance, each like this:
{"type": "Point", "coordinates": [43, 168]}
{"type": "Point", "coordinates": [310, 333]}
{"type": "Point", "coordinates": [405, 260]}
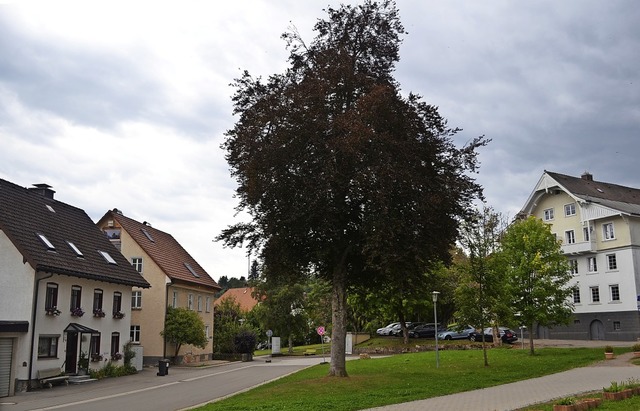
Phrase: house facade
{"type": "Point", "coordinates": [176, 280]}
{"type": "Point", "coordinates": [598, 224]}
{"type": "Point", "coordinates": [64, 289]}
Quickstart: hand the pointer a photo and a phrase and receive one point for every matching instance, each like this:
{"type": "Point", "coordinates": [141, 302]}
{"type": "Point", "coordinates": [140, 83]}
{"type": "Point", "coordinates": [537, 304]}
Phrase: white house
{"type": "Point", "coordinates": [599, 226]}
{"type": "Point", "coordinates": [65, 290]}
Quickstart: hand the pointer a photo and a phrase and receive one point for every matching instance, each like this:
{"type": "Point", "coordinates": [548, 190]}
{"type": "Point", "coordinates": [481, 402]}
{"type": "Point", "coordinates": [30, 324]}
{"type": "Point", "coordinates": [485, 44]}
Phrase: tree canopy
{"type": "Point", "coordinates": [342, 176]}
{"type": "Point", "coordinates": [183, 326]}
{"type": "Point", "coordinates": [537, 274]}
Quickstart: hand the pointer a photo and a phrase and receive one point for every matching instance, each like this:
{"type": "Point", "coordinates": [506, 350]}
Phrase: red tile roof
{"type": "Point", "coordinates": [242, 297]}
{"type": "Point", "coordinates": [165, 251]}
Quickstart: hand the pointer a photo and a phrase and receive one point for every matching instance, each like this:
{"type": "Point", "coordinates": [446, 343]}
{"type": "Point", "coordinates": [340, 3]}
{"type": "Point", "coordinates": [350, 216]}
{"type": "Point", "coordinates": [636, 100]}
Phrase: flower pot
{"type": "Point", "coordinates": [636, 354]}
{"type": "Point", "coordinates": [593, 402]}
{"type": "Point", "coordinates": [608, 355]}
{"type": "Point", "coordinates": [614, 396]}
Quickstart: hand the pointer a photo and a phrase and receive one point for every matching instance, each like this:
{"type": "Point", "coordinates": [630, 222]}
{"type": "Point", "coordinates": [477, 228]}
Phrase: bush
{"type": "Point", "coordinates": [245, 342]}
{"type": "Point", "coordinates": [636, 347]}
{"type": "Point", "coordinates": [608, 348]}
{"type": "Point", "coordinates": [112, 370]}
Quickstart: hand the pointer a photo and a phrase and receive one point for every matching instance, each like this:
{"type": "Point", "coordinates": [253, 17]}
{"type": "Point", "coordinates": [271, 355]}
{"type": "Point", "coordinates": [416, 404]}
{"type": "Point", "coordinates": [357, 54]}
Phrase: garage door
{"type": "Point", "coordinates": [6, 351]}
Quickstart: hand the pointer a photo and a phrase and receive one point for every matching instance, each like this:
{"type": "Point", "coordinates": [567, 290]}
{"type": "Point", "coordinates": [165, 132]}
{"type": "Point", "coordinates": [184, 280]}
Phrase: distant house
{"type": "Point", "coordinates": [599, 226]}
{"type": "Point", "coordinates": [65, 291]}
{"type": "Point", "coordinates": [176, 280]}
{"type": "Point", "coordinates": [241, 295]}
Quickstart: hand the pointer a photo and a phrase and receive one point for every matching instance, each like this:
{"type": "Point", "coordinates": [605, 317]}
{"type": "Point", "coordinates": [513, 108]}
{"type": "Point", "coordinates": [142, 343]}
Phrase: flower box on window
{"type": "Point", "coordinates": [98, 313]}
{"type": "Point", "coordinates": [96, 357]}
{"type": "Point", "coordinates": [77, 312]}
{"type": "Point", "coordinates": [116, 356]}
{"type": "Point", "coordinates": [52, 311]}
{"type": "Point", "coordinates": [118, 315]}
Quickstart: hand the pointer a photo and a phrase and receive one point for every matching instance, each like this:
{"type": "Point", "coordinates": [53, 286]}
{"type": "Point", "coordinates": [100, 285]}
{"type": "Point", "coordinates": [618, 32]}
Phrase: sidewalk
{"type": "Point", "coordinates": [521, 394]}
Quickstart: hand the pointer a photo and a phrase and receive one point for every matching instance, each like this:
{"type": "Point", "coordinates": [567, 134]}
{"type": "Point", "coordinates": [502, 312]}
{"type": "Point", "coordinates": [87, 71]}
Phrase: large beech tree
{"type": "Point", "coordinates": [343, 177]}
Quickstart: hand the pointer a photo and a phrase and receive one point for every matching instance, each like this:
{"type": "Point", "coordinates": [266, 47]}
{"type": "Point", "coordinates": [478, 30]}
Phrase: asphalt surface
{"type": "Point", "coordinates": [186, 387]}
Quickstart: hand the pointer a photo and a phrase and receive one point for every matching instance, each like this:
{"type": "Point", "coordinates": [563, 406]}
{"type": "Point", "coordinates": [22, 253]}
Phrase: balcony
{"type": "Point", "coordinates": [579, 248]}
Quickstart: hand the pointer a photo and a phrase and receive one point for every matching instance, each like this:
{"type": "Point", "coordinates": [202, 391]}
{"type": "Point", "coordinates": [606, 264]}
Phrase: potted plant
{"type": "Point", "coordinates": [98, 313]}
{"type": "Point", "coordinates": [613, 392]}
{"type": "Point", "coordinates": [83, 363]}
{"type": "Point", "coordinates": [636, 350]}
{"type": "Point", "coordinates": [118, 315]}
{"type": "Point", "coordinates": [608, 352]}
{"type": "Point", "coordinates": [565, 404]}
{"type": "Point", "coordinates": [52, 311]}
{"type": "Point", "coordinates": [96, 357]}
{"type": "Point", "coordinates": [77, 312]}
{"type": "Point", "coordinates": [116, 356]}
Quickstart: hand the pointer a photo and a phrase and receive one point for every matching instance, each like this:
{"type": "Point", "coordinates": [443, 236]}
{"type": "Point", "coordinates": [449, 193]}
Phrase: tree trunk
{"type": "Point", "coordinates": [531, 350]}
{"type": "Point", "coordinates": [338, 323]}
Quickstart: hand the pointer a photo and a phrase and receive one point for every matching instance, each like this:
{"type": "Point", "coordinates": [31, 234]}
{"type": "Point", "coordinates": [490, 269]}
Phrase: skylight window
{"type": "Point", "coordinates": [75, 249]}
{"type": "Point", "coordinates": [146, 233]}
{"type": "Point", "coordinates": [50, 208]}
{"type": "Point", "coordinates": [191, 270]}
{"type": "Point", "coordinates": [108, 257]}
{"type": "Point", "coordinates": [46, 242]}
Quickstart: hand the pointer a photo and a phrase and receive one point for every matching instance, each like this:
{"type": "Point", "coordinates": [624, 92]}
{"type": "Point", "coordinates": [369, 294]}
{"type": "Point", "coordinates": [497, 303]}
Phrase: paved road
{"type": "Point", "coordinates": [183, 388]}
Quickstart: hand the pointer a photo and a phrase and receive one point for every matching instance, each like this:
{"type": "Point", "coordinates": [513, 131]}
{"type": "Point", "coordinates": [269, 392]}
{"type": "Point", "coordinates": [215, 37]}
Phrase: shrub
{"type": "Point", "coordinates": [245, 342]}
{"type": "Point", "coordinates": [608, 348]}
{"type": "Point", "coordinates": [636, 347]}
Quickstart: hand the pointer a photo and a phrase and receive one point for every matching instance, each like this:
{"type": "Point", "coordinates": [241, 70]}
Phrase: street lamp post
{"type": "Point", "coordinates": [435, 318]}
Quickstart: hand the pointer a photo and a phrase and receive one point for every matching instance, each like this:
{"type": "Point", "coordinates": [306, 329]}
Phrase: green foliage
{"type": "Point", "coordinates": [614, 387]}
{"type": "Point", "coordinates": [636, 347]}
{"type": "Point", "coordinates": [537, 274]}
{"type": "Point", "coordinates": [245, 342]}
{"type": "Point", "coordinates": [112, 370]}
{"type": "Point", "coordinates": [608, 348]}
{"type": "Point", "coordinates": [129, 354]}
{"type": "Point", "coordinates": [226, 325]}
{"type": "Point", "coordinates": [83, 361]}
{"type": "Point", "coordinates": [183, 326]}
{"type": "Point", "coordinates": [567, 401]}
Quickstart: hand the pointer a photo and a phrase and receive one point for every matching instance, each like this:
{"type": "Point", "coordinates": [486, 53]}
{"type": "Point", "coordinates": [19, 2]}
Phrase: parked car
{"type": "Point", "coordinates": [386, 330]}
{"type": "Point", "coordinates": [506, 335]}
{"type": "Point", "coordinates": [397, 330]}
{"type": "Point", "coordinates": [456, 333]}
{"type": "Point", "coordinates": [424, 331]}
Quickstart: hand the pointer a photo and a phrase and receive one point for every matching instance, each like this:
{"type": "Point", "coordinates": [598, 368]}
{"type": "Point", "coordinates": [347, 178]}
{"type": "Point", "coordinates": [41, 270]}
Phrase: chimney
{"type": "Point", "coordinates": [43, 189]}
{"type": "Point", "coordinates": [587, 176]}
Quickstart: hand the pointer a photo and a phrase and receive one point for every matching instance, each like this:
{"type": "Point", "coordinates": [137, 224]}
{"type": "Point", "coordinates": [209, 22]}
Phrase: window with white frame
{"type": "Point", "coordinates": [570, 209]}
{"type": "Point", "coordinates": [592, 264]}
{"type": "Point", "coordinates": [576, 295]}
{"type": "Point", "coordinates": [207, 304]}
{"type": "Point", "coordinates": [200, 303]}
{"type": "Point", "coordinates": [573, 266]}
{"type": "Point", "coordinates": [115, 343]}
{"type": "Point", "coordinates": [607, 231]}
{"type": "Point", "coordinates": [76, 297]}
{"type": "Point", "coordinates": [97, 302]}
{"type": "Point", "coordinates": [612, 263]}
{"type": "Point", "coordinates": [206, 331]}
{"type": "Point", "coordinates": [136, 262]}
{"type": "Point", "coordinates": [595, 294]}
{"type": "Point", "coordinates": [134, 335]}
{"type": "Point", "coordinates": [136, 299]}
{"type": "Point", "coordinates": [570, 237]}
{"type": "Point", "coordinates": [614, 292]}
{"type": "Point", "coordinates": [117, 303]}
{"type": "Point", "coordinates": [586, 233]}
{"type": "Point", "coordinates": [51, 297]}
{"type": "Point", "coordinates": [548, 214]}
{"type": "Point", "coordinates": [190, 302]}
{"type": "Point", "coordinates": [174, 300]}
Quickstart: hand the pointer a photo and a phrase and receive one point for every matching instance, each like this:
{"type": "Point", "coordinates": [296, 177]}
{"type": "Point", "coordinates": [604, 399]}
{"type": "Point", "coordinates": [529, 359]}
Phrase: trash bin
{"type": "Point", "coordinates": [163, 367]}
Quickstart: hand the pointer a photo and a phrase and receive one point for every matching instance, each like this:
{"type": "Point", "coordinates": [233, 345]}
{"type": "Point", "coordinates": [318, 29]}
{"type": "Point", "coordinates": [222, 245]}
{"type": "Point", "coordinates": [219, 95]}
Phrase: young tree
{"type": "Point", "coordinates": [183, 326]}
{"type": "Point", "coordinates": [480, 294]}
{"type": "Point", "coordinates": [343, 177]}
{"type": "Point", "coordinates": [537, 274]}
{"type": "Point", "coordinates": [226, 325]}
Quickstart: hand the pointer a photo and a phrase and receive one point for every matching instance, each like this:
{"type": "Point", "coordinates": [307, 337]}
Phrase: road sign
{"type": "Point", "coordinates": [320, 330]}
{"type": "Point", "coordinates": [269, 333]}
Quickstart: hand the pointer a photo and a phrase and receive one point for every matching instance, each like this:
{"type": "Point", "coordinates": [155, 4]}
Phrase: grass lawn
{"type": "Point", "coordinates": [405, 377]}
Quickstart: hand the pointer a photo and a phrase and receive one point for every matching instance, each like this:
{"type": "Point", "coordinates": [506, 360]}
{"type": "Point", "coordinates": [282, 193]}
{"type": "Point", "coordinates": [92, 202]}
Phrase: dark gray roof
{"type": "Point", "coordinates": [24, 214]}
{"type": "Point", "coordinates": [617, 197]}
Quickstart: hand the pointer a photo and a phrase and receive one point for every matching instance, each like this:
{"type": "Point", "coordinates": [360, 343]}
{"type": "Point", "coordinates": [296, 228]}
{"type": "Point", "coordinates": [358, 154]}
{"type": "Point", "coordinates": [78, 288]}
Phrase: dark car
{"type": "Point", "coordinates": [424, 331]}
{"type": "Point", "coordinates": [506, 335]}
{"type": "Point", "coordinates": [397, 329]}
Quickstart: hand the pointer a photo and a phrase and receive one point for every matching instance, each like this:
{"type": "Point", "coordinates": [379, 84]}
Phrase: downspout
{"type": "Point", "coordinates": [34, 307]}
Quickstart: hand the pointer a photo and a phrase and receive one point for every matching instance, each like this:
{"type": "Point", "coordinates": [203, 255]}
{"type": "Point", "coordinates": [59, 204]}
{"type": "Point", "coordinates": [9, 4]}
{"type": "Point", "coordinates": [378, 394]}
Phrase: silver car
{"type": "Point", "coordinates": [456, 334]}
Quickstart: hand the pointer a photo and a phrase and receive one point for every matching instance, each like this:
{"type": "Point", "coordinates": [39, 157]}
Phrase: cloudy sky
{"type": "Point", "coordinates": [124, 104]}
